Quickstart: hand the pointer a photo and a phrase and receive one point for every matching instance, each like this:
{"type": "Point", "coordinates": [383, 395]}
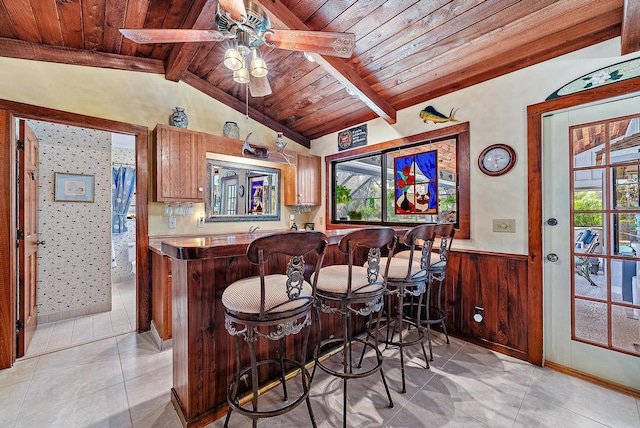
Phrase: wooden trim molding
{"type": "Point", "coordinates": [463, 165]}
{"type": "Point", "coordinates": [8, 251]}
{"type": "Point", "coordinates": [593, 379]}
{"type": "Point", "coordinates": [10, 110]}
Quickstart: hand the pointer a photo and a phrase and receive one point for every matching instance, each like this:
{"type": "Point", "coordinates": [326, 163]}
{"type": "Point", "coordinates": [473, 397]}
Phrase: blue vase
{"type": "Point", "coordinates": [179, 118]}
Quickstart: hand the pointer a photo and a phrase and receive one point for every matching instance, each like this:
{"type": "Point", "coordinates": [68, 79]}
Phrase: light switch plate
{"type": "Point", "coordinates": [504, 225]}
{"type": "Point", "coordinates": [172, 222]}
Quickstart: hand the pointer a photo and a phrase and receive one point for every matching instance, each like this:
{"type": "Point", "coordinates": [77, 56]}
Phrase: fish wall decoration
{"type": "Point", "coordinates": [430, 113]}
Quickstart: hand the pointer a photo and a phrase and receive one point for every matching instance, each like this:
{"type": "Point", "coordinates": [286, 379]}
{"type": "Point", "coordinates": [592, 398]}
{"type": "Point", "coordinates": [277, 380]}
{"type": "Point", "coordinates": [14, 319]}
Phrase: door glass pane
{"type": "Point", "coordinates": [624, 140]}
{"type": "Point", "coordinates": [588, 145]}
{"type": "Point", "coordinates": [625, 333]}
{"type": "Point", "coordinates": [623, 271]}
{"type": "Point", "coordinates": [625, 186]}
{"type": "Point", "coordinates": [591, 321]}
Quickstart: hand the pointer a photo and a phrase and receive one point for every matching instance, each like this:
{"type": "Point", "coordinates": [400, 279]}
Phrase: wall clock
{"type": "Point", "coordinates": [497, 159]}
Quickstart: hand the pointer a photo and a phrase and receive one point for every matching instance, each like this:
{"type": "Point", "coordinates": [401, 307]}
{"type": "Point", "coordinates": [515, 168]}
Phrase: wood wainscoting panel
{"type": "Point", "coordinates": [497, 283]}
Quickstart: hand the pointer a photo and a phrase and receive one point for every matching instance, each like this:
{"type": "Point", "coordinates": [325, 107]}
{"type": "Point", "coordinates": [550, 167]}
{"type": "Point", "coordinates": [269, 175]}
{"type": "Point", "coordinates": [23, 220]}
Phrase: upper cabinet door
{"type": "Point", "coordinates": [180, 165]}
{"type": "Point", "coordinates": [302, 182]}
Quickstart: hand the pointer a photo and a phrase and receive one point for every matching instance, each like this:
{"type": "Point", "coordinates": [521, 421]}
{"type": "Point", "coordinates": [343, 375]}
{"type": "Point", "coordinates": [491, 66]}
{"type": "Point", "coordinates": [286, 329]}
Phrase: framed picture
{"type": "Point", "coordinates": [74, 187]}
{"type": "Point", "coordinates": [257, 185]}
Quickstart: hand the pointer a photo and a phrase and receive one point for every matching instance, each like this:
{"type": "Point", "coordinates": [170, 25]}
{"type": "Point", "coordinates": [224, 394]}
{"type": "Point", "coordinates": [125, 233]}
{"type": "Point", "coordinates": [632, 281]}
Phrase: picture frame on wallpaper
{"type": "Point", "coordinates": [74, 187]}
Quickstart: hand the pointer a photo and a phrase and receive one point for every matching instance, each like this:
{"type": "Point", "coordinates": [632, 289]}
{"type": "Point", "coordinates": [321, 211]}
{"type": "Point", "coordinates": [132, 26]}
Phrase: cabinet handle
{"type": "Point", "coordinates": [200, 189]}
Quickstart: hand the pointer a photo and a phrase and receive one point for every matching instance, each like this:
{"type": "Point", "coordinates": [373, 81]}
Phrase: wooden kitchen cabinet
{"type": "Point", "coordinates": [161, 284]}
{"type": "Point", "coordinates": [302, 181]}
{"type": "Point", "coordinates": [180, 164]}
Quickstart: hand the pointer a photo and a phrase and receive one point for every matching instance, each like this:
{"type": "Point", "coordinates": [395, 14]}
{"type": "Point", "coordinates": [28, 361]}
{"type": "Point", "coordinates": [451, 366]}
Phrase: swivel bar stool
{"type": "Point", "coordinates": [407, 277]}
{"type": "Point", "coordinates": [351, 290]}
{"type": "Point", "coordinates": [273, 305]}
{"type": "Point", "coordinates": [437, 273]}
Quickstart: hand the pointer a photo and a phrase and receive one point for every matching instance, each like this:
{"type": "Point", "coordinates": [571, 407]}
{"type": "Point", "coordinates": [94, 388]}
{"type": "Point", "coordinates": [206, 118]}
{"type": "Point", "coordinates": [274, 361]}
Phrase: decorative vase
{"type": "Point", "coordinates": [405, 202]}
{"type": "Point", "coordinates": [179, 118]}
{"type": "Point", "coordinates": [231, 130]}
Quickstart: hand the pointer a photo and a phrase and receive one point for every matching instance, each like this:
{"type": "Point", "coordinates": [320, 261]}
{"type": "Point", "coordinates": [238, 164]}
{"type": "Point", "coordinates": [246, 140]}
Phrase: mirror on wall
{"type": "Point", "coordinates": [240, 192]}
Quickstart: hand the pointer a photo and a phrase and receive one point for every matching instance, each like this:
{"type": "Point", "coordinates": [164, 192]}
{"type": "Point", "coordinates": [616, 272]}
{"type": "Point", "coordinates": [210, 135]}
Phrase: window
{"type": "Point", "coordinates": [606, 225]}
{"type": "Point", "coordinates": [418, 179]}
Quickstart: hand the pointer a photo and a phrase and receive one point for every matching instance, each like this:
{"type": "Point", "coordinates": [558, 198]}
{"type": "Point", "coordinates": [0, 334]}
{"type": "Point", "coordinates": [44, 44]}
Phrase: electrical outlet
{"type": "Point", "coordinates": [504, 225]}
{"type": "Point", "coordinates": [172, 222]}
{"type": "Point", "coordinates": [478, 315]}
{"type": "Point", "coordinates": [201, 221]}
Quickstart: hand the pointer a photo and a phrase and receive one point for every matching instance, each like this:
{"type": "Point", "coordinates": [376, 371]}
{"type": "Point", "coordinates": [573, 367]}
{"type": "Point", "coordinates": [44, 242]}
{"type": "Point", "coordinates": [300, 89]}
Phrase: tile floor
{"type": "Point", "coordinates": [124, 381]}
{"type": "Point", "coordinates": [74, 331]}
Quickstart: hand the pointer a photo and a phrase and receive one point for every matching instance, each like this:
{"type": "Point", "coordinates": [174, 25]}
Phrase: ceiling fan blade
{"type": "Point", "coordinates": [320, 42]}
{"type": "Point", "coordinates": [235, 8]}
{"type": "Point", "coordinates": [259, 87]}
{"type": "Point", "coordinates": [142, 35]}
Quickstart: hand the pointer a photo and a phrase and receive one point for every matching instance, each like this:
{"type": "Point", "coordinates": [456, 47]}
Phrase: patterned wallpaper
{"type": "Point", "coordinates": [122, 270]}
{"type": "Point", "coordinates": [74, 266]}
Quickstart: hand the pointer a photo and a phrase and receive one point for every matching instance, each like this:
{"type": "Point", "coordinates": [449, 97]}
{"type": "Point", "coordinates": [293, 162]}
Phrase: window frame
{"type": "Point", "coordinates": [463, 167]}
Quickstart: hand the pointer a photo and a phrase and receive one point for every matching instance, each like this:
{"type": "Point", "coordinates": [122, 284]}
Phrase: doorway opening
{"type": "Point", "coordinates": [86, 288]}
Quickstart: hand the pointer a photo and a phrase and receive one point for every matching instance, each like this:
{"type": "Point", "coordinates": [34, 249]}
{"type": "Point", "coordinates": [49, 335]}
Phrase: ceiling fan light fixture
{"type": "Point", "coordinates": [243, 42]}
{"type": "Point", "coordinates": [258, 66]}
{"type": "Point", "coordinates": [241, 75]}
{"type": "Point", "coordinates": [232, 58]}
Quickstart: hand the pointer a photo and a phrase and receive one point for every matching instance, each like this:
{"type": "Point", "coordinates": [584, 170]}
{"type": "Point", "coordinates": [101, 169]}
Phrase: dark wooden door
{"type": "Point", "coordinates": [28, 242]}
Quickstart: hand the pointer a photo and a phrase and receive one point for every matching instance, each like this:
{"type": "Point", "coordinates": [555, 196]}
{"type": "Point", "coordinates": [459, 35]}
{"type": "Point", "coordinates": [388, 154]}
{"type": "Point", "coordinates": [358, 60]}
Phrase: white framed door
{"type": "Point", "coordinates": [559, 241]}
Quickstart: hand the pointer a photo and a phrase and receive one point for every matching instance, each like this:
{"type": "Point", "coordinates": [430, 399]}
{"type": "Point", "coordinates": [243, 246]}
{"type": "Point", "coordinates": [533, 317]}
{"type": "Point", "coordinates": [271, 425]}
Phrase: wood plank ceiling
{"type": "Point", "coordinates": [407, 51]}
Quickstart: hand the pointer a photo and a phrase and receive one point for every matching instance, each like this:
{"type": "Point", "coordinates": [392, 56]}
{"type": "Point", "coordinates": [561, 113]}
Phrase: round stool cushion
{"type": "Point", "coordinates": [334, 279]}
{"type": "Point", "coordinates": [417, 255]}
{"type": "Point", "coordinates": [244, 295]}
{"type": "Point", "coordinates": [399, 267]}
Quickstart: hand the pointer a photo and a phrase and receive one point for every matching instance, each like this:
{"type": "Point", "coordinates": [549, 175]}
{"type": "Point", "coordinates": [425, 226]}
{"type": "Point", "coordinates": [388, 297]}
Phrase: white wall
{"type": "Point", "coordinates": [496, 111]}
{"type": "Point", "coordinates": [74, 269]}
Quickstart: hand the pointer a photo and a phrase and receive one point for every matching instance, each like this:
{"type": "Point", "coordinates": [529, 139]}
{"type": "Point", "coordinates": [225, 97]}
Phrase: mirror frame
{"type": "Point", "coordinates": [241, 217]}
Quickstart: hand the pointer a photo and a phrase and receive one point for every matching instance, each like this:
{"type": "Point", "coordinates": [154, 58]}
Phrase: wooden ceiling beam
{"type": "Point", "coordinates": [630, 38]}
{"type": "Point", "coordinates": [12, 48]}
{"type": "Point", "coordinates": [202, 16]}
{"type": "Point", "coordinates": [238, 105]}
{"type": "Point", "coordinates": [282, 17]}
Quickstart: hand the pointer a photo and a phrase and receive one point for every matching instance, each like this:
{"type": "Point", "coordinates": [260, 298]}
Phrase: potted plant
{"type": "Point", "coordinates": [354, 215]}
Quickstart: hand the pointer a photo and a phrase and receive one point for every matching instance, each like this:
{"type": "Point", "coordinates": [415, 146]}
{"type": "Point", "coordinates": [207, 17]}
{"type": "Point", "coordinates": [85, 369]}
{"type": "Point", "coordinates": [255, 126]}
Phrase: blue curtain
{"type": "Point", "coordinates": [123, 186]}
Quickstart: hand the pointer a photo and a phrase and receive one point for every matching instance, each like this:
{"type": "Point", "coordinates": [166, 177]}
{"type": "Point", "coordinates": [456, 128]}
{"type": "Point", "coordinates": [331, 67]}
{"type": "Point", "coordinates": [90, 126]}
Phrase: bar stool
{"type": "Point", "coordinates": [437, 272]}
{"type": "Point", "coordinates": [407, 278]}
{"type": "Point", "coordinates": [351, 290]}
{"type": "Point", "coordinates": [273, 305]}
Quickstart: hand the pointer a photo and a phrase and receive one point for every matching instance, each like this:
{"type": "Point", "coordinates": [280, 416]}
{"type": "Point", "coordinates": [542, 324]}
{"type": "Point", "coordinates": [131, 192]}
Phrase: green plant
{"type": "Point", "coordinates": [354, 215]}
{"type": "Point", "coordinates": [343, 194]}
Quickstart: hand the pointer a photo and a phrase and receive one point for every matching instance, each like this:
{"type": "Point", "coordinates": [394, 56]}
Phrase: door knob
{"type": "Point", "coordinates": [552, 257]}
{"type": "Point", "coordinates": [552, 221]}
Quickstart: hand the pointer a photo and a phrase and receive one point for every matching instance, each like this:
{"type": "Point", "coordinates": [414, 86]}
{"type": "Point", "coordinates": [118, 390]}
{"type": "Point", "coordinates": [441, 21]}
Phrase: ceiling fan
{"type": "Point", "coordinates": [247, 26]}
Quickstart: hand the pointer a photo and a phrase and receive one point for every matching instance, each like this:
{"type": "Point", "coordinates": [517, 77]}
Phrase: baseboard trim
{"type": "Point", "coordinates": [594, 379]}
{"type": "Point", "coordinates": [161, 344]}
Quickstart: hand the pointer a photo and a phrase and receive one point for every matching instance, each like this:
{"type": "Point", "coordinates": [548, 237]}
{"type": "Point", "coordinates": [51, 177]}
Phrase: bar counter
{"type": "Point", "coordinates": [203, 351]}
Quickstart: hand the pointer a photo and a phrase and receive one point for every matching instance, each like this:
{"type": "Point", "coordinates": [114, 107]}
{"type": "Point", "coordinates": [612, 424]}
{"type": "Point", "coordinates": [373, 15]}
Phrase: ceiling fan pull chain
{"type": "Point", "coordinates": [246, 98]}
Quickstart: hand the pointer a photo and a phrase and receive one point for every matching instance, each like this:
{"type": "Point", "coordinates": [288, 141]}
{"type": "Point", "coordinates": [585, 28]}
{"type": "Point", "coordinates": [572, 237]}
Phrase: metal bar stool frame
{"type": "Point", "coordinates": [359, 297]}
{"type": "Point", "coordinates": [437, 273]}
{"type": "Point", "coordinates": [407, 279]}
{"type": "Point", "coordinates": [290, 316]}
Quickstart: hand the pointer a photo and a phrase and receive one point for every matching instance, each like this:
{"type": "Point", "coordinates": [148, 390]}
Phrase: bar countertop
{"type": "Point", "coordinates": [219, 245]}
